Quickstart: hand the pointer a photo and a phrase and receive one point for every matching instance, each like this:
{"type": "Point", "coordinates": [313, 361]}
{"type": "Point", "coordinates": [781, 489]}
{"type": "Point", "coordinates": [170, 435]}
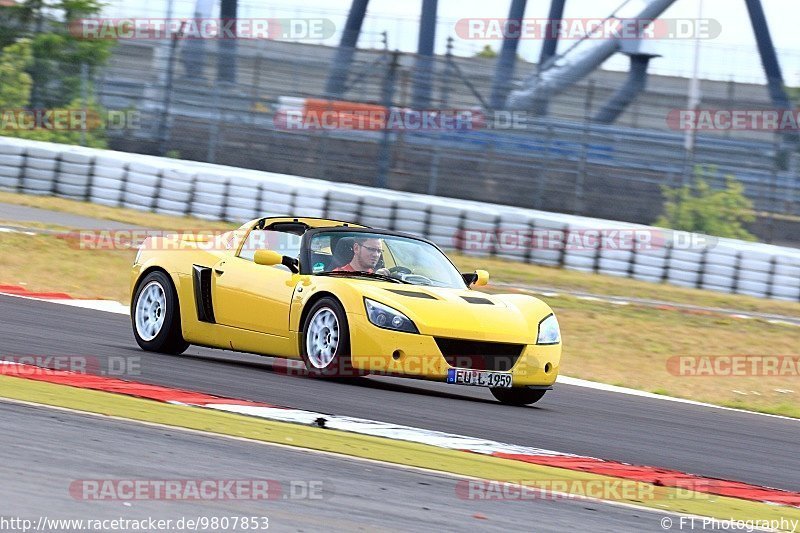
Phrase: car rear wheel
{"type": "Point", "coordinates": [325, 340]}
{"type": "Point", "coordinates": [517, 395]}
{"type": "Point", "coordinates": [156, 317]}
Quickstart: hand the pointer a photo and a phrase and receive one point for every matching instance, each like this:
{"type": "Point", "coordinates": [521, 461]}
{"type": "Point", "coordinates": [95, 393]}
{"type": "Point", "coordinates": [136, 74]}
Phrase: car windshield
{"type": "Point", "coordinates": [280, 241]}
{"type": "Point", "coordinates": [378, 255]}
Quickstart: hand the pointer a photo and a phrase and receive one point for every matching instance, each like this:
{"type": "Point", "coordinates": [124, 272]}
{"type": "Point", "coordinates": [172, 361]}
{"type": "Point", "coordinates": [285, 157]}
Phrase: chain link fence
{"type": "Point", "coordinates": [565, 162]}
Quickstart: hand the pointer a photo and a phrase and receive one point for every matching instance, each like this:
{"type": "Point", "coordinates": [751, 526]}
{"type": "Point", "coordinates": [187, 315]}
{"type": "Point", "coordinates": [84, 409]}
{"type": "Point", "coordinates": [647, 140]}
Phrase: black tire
{"type": "Point", "coordinates": [168, 338]}
{"type": "Point", "coordinates": [340, 365]}
{"type": "Point", "coordinates": [517, 395]}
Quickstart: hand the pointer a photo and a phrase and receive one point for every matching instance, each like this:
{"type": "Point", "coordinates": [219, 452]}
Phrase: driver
{"type": "Point", "coordinates": [366, 254]}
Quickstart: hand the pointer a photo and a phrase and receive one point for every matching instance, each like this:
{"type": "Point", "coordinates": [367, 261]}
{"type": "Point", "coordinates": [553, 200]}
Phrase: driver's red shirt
{"type": "Point", "coordinates": [349, 268]}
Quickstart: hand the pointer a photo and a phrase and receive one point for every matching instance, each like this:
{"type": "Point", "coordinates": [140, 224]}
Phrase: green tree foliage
{"type": "Point", "coordinates": [487, 53]}
{"type": "Point", "coordinates": [57, 54]}
{"type": "Point", "coordinates": [702, 209]}
{"type": "Point", "coordinates": [794, 95]}
{"type": "Point", "coordinates": [15, 93]}
{"type": "Point", "coordinates": [15, 82]}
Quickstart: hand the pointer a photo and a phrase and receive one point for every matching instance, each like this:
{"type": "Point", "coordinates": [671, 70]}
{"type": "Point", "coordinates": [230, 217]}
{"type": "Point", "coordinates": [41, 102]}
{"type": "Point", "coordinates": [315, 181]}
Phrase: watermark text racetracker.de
{"type": "Point", "coordinates": [325, 115]}
{"type": "Point", "coordinates": [731, 366]}
{"type": "Point", "coordinates": [578, 239]}
{"type": "Point", "coordinates": [587, 28]}
{"type": "Point", "coordinates": [148, 29]}
{"type": "Point", "coordinates": [560, 489]}
{"type": "Point", "coordinates": [186, 239]}
{"type": "Point", "coordinates": [61, 119]}
{"type": "Point", "coordinates": [769, 120]}
{"type": "Point", "coordinates": [43, 365]}
{"type": "Point", "coordinates": [332, 115]}
{"type": "Point", "coordinates": [181, 239]}
{"type": "Point", "coordinates": [95, 490]}
{"type": "Point", "coordinates": [400, 363]}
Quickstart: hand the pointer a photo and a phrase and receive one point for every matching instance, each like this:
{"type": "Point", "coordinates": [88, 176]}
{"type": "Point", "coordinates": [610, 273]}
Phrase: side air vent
{"type": "Point", "coordinates": [477, 300]}
{"type": "Point", "coordinates": [412, 294]}
{"type": "Point", "coordinates": [201, 280]}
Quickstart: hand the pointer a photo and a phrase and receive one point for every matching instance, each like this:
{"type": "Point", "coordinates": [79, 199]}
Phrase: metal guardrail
{"type": "Point", "coordinates": [218, 192]}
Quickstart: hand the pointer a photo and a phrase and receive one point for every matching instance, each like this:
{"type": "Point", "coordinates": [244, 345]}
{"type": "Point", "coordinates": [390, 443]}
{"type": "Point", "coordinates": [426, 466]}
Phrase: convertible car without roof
{"type": "Point", "coordinates": [345, 299]}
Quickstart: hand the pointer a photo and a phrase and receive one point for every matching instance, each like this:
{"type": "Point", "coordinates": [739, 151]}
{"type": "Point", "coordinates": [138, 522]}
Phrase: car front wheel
{"type": "Point", "coordinates": [325, 341]}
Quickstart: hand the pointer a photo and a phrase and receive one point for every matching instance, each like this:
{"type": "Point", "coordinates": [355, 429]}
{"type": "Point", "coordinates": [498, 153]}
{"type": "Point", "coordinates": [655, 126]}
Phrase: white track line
{"type": "Point", "coordinates": [375, 428]}
{"type": "Point", "coordinates": [106, 306]}
{"type": "Point", "coordinates": [110, 306]}
{"type": "Point", "coordinates": [566, 380]}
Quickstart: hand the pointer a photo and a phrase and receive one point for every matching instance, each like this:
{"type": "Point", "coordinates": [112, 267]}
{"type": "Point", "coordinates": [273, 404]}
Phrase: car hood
{"type": "Point", "coordinates": [463, 313]}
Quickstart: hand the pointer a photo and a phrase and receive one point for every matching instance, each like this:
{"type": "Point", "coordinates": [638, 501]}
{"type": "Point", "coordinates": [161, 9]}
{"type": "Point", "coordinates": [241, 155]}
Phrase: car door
{"type": "Point", "coordinates": [251, 296]}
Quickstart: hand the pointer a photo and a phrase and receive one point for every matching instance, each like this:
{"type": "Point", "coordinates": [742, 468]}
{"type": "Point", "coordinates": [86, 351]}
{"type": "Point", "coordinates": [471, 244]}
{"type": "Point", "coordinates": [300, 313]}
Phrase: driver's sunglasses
{"type": "Point", "coordinates": [372, 249]}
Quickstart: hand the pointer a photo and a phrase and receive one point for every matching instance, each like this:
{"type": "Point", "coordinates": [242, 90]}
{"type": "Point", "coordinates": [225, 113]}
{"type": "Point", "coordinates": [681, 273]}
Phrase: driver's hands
{"type": "Point", "coordinates": [383, 271]}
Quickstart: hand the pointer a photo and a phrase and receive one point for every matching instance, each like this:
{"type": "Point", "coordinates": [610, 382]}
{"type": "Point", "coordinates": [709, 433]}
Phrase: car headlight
{"type": "Point", "coordinates": [549, 332]}
{"type": "Point", "coordinates": [385, 317]}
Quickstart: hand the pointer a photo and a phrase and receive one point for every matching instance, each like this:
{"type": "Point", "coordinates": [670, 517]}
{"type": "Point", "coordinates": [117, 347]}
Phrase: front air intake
{"type": "Point", "coordinates": [479, 355]}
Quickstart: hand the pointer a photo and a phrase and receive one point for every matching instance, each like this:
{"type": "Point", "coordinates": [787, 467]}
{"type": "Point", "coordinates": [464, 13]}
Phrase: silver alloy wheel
{"type": "Point", "coordinates": [322, 338]}
{"type": "Point", "coordinates": [151, 308]}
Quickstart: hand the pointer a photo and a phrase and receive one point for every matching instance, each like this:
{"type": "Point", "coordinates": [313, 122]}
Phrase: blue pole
{"type": "Point", "coordinates": [385, 150]}
{"type": "Point", "coordinates": [769, 59]}
{"type": "Point", "coordinates": [634, 85]}
{"type": "Point", "coordinates": [551, 33]}
{"type": "Point", "coordinates": [226, 58]}
{"type": "Point", "coordinates": [504, 71]}
{"type": "Point", "coordinates": [550, 44]}
{"type": "Point", "coordinates": [423, 67]}
{"type": "Point", "coordinates": [347, 46]}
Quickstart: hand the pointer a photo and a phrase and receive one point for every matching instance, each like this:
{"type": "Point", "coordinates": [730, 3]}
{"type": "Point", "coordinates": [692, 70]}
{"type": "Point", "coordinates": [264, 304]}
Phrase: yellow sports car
{"type": "Point", "coordinates": [346, 300]}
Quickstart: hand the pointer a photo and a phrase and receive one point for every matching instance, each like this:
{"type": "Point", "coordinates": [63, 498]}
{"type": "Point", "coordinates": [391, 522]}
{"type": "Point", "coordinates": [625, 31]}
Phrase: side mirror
{"type": "Point", "coordinates": [267, 258]}
{"type": "Point", "coordinates": [478, 278]}
{"type": "Point", "coordinates": [272, 258]}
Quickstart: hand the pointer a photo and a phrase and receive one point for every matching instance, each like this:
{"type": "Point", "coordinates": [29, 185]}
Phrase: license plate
{"type": "Point", "coordinates": [478, 378]}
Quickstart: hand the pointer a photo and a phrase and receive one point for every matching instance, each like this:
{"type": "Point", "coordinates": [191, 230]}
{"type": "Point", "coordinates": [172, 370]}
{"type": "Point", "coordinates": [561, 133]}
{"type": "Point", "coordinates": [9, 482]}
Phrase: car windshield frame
{"type": "Point", "coordinates": [305, 249]}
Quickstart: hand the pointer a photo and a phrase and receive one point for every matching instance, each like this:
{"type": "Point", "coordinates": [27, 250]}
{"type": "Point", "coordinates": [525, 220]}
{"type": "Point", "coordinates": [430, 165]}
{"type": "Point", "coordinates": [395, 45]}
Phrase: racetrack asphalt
{"type": "Point", "coordinates": [22, 214]}
{"type": "Point", "coordinates": [702, 440]}
{"type": "Point", "coordinates": [47, 450]}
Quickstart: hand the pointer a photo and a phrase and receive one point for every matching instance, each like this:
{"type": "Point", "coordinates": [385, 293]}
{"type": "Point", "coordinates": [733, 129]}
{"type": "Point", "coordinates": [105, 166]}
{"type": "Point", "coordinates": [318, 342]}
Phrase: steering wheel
{"type": "Point", "coordinates": [417, 279]}
{"type": "Point", "coordinates": [407, 275]}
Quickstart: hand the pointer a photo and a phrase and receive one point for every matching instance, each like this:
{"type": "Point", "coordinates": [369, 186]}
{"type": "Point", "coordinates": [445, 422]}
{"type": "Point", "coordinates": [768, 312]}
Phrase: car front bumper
{"type": "Point", "coordinates": [383, 351]}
